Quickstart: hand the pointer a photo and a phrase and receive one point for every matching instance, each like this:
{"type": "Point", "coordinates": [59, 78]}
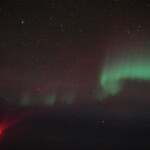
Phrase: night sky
{"type": "Point", "coordinates": [74, 74]}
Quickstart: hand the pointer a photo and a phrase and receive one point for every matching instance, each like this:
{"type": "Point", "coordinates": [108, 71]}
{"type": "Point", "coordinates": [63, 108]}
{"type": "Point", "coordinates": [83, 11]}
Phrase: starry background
{"type": "Point", "coordinates": [59, 47]}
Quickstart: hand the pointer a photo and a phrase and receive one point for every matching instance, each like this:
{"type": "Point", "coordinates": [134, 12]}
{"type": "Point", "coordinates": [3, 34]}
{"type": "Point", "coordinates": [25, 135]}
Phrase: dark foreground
{"type": "Point", "coordinates": [58, 130]}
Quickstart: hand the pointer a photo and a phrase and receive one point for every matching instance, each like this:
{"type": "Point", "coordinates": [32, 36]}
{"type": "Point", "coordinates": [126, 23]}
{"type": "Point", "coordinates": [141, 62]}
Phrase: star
{"type": "Point", "coordinates": [22, 21]}
{"type": "Point", "coordinates": [61, 25]}
{"type": "Point", "coordinates": [107, 58]}
{"type": "Point", "coordinates": [38, 89]}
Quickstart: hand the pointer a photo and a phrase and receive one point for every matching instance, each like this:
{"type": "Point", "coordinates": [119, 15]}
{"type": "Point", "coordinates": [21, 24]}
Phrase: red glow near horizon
{"type": "Point", "coordinates": [1, 130]}
{"type": "Point", "coordinates": [9, 121]}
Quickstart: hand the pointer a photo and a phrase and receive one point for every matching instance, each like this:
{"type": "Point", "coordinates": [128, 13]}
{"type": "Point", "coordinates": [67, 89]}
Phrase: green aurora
{"type": "Point", "coordinates": [129, 66]}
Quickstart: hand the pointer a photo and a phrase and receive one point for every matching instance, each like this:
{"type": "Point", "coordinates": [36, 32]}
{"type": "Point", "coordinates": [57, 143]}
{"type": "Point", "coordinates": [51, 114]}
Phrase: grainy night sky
{"type": "Point", "coordinates": [61, 62]}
